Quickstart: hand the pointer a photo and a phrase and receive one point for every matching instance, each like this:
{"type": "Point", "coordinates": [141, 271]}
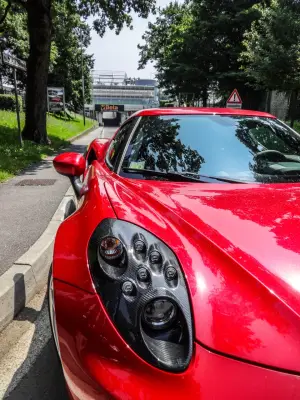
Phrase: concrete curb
{"type": "Point", "coordinates": [29, 274]}
{"type": "Point", "coordinates": [92, 128]}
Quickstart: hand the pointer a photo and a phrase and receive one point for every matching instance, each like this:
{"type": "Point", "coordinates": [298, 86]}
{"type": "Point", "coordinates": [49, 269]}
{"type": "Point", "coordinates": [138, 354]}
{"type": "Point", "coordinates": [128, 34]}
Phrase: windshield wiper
{"type": "Point", "coordinates": [180, 176]}
{"type": "Point", "coordinates": [217, 178]}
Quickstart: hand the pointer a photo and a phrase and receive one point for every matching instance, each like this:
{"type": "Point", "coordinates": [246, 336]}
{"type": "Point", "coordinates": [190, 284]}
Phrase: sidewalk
{"type": "Point", "coordinates": [25, 211]}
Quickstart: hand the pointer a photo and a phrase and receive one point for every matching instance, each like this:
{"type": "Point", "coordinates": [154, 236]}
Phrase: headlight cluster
{"type": "Point", "coordinates": [143, 289]}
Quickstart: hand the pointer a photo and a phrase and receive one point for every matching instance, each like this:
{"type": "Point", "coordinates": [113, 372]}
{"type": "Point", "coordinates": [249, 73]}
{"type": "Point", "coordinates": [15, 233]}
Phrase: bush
{"type": "Point", "coordinates": [8, 102]}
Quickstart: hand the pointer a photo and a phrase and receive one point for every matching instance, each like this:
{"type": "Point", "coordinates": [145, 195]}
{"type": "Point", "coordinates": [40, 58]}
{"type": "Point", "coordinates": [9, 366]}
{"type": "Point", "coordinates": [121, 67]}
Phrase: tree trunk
{"type": "Point", "coordinates": [39, 28]}
{"type": "Point", "coordinates": [293, 106]}
{"type": "Point", "coordinates": [204, 97]}
{"type": "Point", "coordinates": [179, 100]}
{"type": "Point", "coordinates": [268, 101]}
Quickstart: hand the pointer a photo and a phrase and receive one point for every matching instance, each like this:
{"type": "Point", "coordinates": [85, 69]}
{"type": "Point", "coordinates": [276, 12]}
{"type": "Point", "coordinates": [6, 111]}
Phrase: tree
{"type": "Point", "coordinates": [71, 37]}
{"type": "Point", "coordinates": [167, 45]}
{"type": "Point", "coordinates": [221, 26]}
{"type": "Point", "coordinates": [13, 34]}
{"type": "Point", "coordinates": [272, 49]}
{"type": "Point", "coordinates": [65, 58]}
{"type": "Point", "coordinates": [196, 46]}
{"type": "Point", "coordinates": [41, 27]}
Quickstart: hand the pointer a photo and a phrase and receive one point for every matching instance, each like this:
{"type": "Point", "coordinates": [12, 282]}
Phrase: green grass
{"type": "Point", "coordinates": [297, 126]}
{"type": "Point", "coordinates": [13, 158]}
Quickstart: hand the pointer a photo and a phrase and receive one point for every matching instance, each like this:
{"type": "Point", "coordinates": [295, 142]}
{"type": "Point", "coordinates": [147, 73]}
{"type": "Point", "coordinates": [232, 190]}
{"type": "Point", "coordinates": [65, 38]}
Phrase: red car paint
{"type": "Point", "coordinates": [99, 147]}
{"type": "Point", "coordinates": [98, 364]}
{"type": "Point", "coordinates": [70, 164]}
{"type": "Point", "coordinates": [239, 249]}
{"type": "Point", "coordinates": [195, 111]}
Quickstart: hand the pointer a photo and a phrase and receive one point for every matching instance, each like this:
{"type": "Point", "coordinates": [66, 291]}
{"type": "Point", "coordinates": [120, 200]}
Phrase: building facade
{"type": "Point", "coordinates": [114, 92]}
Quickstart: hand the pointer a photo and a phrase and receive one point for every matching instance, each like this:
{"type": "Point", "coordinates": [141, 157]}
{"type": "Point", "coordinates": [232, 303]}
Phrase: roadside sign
{"type": "Point", "coordinates": [13, 61]}
{"type": "Point", "coordinates": [234, 100]}
{"type": "Point", "coordinates": [56, 99]}
{"type": "Point", "coordinates": [108, 107]}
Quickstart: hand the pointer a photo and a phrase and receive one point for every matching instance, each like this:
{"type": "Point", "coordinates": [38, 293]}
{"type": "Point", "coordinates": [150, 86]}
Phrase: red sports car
{"type": "Point", "coordinates": [178, 275]}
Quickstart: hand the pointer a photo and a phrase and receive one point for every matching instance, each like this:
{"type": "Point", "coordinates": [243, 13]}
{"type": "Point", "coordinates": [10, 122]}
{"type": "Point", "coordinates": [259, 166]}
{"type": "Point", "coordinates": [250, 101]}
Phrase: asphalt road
{"type": "Point", "coordinates": [29, 364]}
{"type": "Point", "coordinates": [28, 361]}
{"type": "Point", "coordinates": [26, 211]}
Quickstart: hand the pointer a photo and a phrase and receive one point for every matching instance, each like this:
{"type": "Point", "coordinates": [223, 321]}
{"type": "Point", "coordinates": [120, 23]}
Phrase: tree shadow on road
{"type": "Point", "coordinates": [35, 167]}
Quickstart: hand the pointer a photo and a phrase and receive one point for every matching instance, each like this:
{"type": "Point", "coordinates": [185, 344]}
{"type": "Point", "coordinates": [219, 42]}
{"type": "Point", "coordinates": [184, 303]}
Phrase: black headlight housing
{"type": "Point", "coordinates": [144, 292]}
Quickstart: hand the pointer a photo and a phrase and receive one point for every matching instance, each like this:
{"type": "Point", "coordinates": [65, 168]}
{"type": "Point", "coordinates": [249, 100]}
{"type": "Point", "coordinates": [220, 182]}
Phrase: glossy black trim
{"type": "Point", "coordinates": [115, 167]}
{"type": "Point", "coordinates": [170, 349]}
{"type": "Point", "coordinates": [77, 185]}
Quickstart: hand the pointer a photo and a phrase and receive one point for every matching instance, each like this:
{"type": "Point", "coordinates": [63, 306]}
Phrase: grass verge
{"type": "Point", "coordinates": [13, 158]}
{"type": "Point", "coordinates": [297, 126]}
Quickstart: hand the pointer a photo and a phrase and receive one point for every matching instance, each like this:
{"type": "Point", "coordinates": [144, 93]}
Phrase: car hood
{"type": "Point", "coordinates": [239, 246]}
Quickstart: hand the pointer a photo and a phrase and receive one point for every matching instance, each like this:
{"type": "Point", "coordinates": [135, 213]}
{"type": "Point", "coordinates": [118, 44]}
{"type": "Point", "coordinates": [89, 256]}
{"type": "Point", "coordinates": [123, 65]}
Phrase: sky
{"type": "Point", "coordinates": [120, 52]}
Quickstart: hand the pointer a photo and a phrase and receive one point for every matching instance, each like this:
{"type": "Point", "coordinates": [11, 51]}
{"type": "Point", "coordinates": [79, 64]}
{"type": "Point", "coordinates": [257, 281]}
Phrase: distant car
{"type": "Point", "coordinates": [178, 275]}
{"type": "Point", "coordinates": [55, 99]}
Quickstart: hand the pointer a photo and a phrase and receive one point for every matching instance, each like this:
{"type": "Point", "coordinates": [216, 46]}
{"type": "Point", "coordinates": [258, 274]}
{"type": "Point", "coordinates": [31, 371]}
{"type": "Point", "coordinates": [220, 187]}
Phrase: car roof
{"type": "Point", "coordinates": [201, 111]}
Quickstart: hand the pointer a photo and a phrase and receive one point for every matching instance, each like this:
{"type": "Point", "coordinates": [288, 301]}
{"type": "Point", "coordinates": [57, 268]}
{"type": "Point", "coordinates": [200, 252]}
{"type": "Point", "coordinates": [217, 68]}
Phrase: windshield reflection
{"type": "Point", "coordinates": [157, 146]}
{"type": "Point", "coordinates": [251, 149]}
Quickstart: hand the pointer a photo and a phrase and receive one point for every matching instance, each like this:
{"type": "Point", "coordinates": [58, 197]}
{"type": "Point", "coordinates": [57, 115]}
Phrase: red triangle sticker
{"type": "Point", "coordinates": [235, 98]}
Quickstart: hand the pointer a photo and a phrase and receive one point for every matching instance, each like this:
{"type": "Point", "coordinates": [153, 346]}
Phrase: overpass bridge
{"type": "Point", "coordinates": [115, 96]}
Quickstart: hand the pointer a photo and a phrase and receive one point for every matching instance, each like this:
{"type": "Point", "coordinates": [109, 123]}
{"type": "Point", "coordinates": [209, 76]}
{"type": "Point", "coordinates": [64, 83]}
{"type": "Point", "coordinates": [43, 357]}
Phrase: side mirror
{"type": "Point", "coordinates": [73, 166]}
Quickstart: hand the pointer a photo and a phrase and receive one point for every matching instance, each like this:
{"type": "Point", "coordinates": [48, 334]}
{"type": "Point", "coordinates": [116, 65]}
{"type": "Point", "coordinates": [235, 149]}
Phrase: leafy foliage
{"type": "Point", "coordinates": [166, 46]}
{"type": "Point", "coordinates": [14, 37]}
{"type": "Point", "coordinates": [8, 102]}
{"type": "Point", "coordinates": [111, 14]}
{"type": "Point", "coordinates": [196, 46]}
{"type": "Point", "coordinates": [272, 50]}
{"type": "Point", "coordinates": [272, 47]}
{"type": "Point", "coordinates": [60, 20]}
{"type": "Point", "coordinates": [71, 37]}
{"type": "Point", "coordinates": [13, 30]}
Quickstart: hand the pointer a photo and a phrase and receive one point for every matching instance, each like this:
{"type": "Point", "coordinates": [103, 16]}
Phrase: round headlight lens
{"type": "Point", "coordinates": [160, 314]}
{"type": "Point", "coordinates": [111, 248]}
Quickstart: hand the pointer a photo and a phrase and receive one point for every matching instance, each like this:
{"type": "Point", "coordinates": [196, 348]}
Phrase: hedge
{"type": "Point", "coordinates": [8, 102]}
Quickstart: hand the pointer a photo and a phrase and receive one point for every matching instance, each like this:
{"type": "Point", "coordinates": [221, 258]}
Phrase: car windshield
{"type": "Point", "coordinates": [250, 149]}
